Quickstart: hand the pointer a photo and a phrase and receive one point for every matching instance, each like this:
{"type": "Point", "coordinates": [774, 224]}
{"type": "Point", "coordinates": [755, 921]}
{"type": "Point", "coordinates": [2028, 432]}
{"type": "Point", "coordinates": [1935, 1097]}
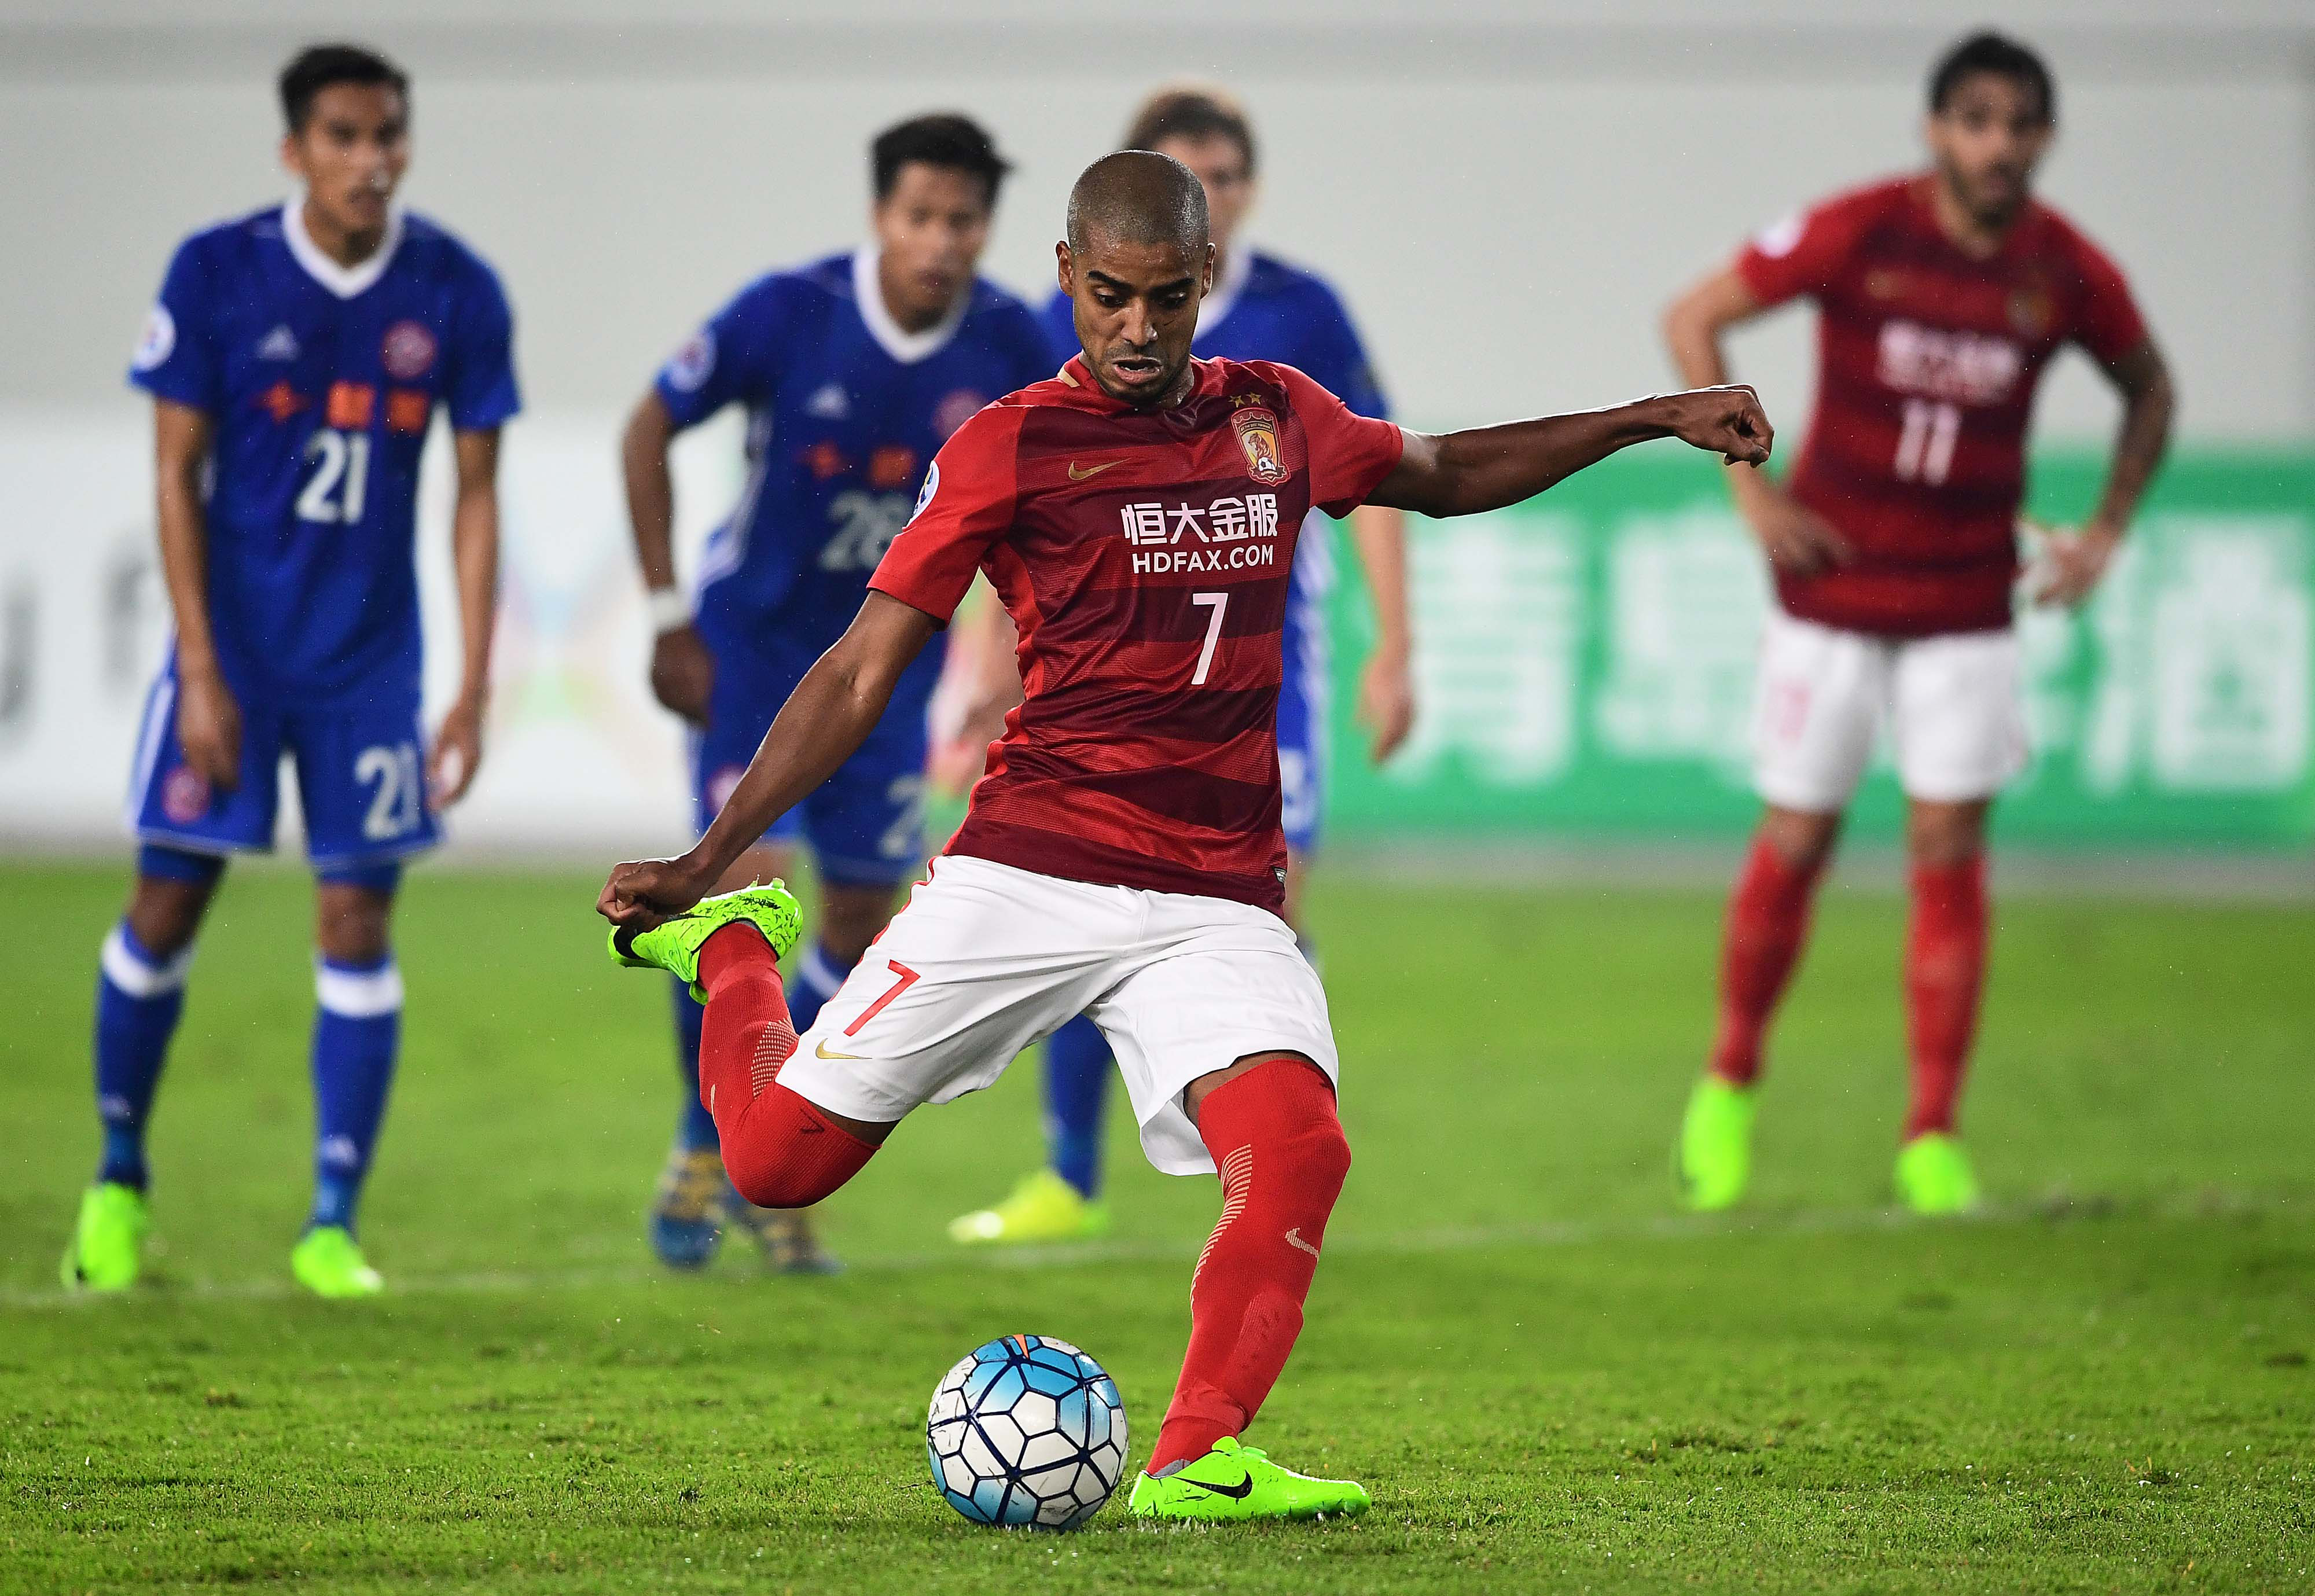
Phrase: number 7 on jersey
{"type": "Point", "coordinates": [1219, 603]}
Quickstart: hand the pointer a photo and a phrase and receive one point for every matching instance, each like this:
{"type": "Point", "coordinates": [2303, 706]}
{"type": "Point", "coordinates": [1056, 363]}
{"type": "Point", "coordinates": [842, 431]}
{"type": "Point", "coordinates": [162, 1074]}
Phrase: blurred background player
{"type": "Point", "coordinates": [1941, 297]}
{"type": "Point", "coordinates": [296, 358]}
{"type": "Point", "coordinates": [854, 370]}
{"type": "Point", "coordinates": [1260, 308]}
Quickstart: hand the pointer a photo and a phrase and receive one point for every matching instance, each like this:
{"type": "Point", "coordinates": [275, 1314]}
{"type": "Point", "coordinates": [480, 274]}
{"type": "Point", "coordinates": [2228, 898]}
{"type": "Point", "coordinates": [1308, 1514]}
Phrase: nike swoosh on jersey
{"type": "Point", "coordinates": [1078, 474]}
{"type": "Point", "coordinates": [821, 1050]}
{"type": "Point", "coordinates": [1235, 1493]}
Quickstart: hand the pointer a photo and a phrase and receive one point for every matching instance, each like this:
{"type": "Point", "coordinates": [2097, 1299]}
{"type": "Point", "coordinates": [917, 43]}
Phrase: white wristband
{"type": "Point", "coordinates": [670, 610]}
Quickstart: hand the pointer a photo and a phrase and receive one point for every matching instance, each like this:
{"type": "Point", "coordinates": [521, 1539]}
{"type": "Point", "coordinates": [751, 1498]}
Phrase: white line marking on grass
{"type": "Point", "coordinates": [1564, 1233]}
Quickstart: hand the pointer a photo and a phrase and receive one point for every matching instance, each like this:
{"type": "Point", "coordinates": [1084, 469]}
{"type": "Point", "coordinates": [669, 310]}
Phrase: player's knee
{"type": "Point", "coordinates": [1941, 835]}
{"type": "Point", "coordinates": [1319, 1155]}
{"type": "Point", "coordinates": [851, 918]}
{"type": "Point", "coordinates": [1801, 839]}
{"type": "Point", "coordinates": [352, 925]}
{"type": "Point", "coordinates": [166, 912]}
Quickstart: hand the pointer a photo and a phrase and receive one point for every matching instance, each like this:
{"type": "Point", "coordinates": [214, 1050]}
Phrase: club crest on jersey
{"type": "Point", "coordinates": [1256, 426]}
{"type": "Point", "coordinates": [2031, 312]}
{"type": "Point", "coordinates": [408, 351]}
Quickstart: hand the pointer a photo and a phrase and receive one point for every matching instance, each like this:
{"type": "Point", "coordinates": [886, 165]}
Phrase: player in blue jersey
{"type": "Point", "coordinates": [853, 370]}
{"type": "Point", "coordinates": [1260, 308]}
{"type": "Point", "coordinates": [296, 358]}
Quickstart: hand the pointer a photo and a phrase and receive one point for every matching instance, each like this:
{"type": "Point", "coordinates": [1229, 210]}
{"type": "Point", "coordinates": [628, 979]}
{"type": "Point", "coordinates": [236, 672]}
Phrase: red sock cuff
{"type": "Point", "coordinates": [736, 949]}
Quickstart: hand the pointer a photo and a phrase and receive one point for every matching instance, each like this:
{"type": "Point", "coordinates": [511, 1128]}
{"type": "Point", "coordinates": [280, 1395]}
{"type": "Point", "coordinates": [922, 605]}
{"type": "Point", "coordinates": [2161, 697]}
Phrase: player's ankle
{"type": "Point", "coordinates": [1183, 1441]}
{"type": "Point", "coordinates": [736, 949]}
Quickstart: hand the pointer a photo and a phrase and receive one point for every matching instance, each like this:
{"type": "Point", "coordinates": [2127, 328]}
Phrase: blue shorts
{"type": "Point", "coordinates": [864, 824]}
{"type": "Point", "coordinates": [1305, 702]}
{"type": "Point", "coordinates": [361, 778]}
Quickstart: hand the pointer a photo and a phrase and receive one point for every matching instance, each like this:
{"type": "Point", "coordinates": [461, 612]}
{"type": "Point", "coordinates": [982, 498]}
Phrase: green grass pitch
{"type": "Point", "coordinates": [1550, 1379]}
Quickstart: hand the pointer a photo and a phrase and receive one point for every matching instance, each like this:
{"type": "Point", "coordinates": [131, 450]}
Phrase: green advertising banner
{"type": "Point", "coordinates": [1585, 667]}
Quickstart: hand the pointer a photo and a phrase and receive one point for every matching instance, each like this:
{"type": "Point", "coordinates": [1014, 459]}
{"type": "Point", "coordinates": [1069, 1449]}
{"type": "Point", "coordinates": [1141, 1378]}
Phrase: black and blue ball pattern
{"type": "Point", "coordinates": [1026, 1432]}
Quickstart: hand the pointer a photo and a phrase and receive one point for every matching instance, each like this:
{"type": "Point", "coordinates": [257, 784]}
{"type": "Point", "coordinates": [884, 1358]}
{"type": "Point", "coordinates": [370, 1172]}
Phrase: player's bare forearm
{"type": "Point", "coordinates": [2149, 402]}
{"type": "Point", "coordinates": [651, 489]}
{"type": "Point", "coordinates": [824, 721]}
{"type": "Point", "coordinates": [1491, 467]}
{"type": "Point", "coordinates": [180, 447]}
{"type": "Point", "coordinates": [475, 553]}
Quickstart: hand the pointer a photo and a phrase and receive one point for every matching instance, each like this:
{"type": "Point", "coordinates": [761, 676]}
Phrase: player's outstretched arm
{"type": "Point", "coordinates": [1486, 468]}
{"type": "Point", "coordinates": [825, 720]}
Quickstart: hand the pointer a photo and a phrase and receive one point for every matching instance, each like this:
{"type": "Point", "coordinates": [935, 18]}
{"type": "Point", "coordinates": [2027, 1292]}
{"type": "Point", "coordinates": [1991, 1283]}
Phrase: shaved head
{"type": "Point", "coordinates": [1142, 197]}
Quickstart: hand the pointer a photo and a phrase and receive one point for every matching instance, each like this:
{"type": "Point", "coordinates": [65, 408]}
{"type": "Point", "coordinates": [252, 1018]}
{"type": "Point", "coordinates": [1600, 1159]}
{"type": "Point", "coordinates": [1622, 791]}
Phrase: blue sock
{"type": "Point", "coordinates": [357, 1035]}
{"type": "Point", "coordinates": [139, 997]}
{"type": "Point", "coordinates": [818, 974]}
{"type": "Point", "coordinates": [695, 1128]}
{"type": "Point", "coordinates": [1076, 1086]}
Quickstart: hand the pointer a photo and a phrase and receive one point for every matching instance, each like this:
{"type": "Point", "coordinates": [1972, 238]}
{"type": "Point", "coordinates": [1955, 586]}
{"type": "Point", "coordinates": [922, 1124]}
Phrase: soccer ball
{"type": "Point", "coordinates": [1026, 1431]}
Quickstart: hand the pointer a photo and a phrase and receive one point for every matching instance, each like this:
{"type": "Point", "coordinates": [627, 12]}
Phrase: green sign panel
{"type": "Point", "coordinates": [1585, 667]}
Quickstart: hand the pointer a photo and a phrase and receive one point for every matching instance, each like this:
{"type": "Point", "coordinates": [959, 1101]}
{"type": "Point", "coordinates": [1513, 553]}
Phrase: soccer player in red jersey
{"type": "Point", "coordinates": [1122, 856]}
{"type": "Point", "coordinates": [1941, 297]}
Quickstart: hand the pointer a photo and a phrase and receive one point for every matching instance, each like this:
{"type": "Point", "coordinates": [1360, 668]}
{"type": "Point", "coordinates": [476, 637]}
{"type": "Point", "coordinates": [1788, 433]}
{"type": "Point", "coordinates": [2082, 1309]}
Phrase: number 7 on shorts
{"type": "Point", "coordinates": [908, 978]}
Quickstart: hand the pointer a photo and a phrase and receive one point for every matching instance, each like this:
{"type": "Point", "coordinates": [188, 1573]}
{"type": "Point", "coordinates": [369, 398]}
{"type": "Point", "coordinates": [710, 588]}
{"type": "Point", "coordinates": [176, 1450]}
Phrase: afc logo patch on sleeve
{"type": "Point", "coordinates": [157, 341]}
{"type": "Point", "coordinates": [690, 367]}
{"type": "Point", "coordinates": [925, 494]}
{"type": "Point", "coordinates": [1778, 239]}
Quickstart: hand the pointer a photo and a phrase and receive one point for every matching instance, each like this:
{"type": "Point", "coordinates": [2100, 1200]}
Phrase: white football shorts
{"type": "Point", "coordinates": [1953, 704]}
{"type": "Point", "coordinates": [985, 958]}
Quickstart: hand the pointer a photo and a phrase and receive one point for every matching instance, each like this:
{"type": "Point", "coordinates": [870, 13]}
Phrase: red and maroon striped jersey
{"type": "Point", "coordinates": [1143, 556]}
{"type": "Point", "coordinates": [1928, 359]}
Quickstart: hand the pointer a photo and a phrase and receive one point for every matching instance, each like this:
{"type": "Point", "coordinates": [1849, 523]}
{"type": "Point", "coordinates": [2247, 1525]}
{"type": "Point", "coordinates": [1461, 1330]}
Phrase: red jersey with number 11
{"type": "Point", "coordinates": [1143, 554]}
{"type": "Point", "coordinates": [1926, 362]}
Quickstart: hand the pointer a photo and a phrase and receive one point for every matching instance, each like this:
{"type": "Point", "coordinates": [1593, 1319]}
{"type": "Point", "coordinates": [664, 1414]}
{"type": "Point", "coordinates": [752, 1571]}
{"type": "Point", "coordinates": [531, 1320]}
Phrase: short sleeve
{"type": "Point", "coordinates": [1350, 455]}
{"type": "Point", "coordinates": [1800, 254]}
{"type": "Point", "coordinates": [728, 360]}
{"type": "Point", "coordinates": [176, 354]}
{"type": "Point", "coordinates": [965, 506]}
{"type": "Point", "coordinates": [1338, 359]}
{"type": "Point", "coordinates": [2109, 325]}
{"type": "Point", "coordinates": [1060, 320]}
{"type": "Point", "coordinates": [482, 391]}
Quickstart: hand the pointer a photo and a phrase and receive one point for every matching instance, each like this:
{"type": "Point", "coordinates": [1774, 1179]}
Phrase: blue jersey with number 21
{"type": "Point", "coordinates": [321, 381]}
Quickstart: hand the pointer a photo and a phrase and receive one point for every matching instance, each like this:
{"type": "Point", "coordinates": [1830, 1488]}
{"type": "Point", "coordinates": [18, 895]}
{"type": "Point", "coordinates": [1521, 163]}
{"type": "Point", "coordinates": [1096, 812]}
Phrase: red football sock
{"type": "Point", "coordinates": [1767, 922]}
{"type": "Point", "coordinates": [1944, 973]}
{"type": "Point", "coordinates": [1282, 1155]}
{"type": "Point", "coordinates": [779, 1150]}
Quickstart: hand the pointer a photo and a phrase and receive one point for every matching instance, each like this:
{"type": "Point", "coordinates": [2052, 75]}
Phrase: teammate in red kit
{"type": "Point", "coordinates": [1122, 856]}
{"type": "Point", "coordinates": [1941, 297]}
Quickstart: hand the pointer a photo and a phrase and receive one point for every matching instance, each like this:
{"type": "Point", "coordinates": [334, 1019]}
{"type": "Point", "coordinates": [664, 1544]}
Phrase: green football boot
{"type": "Point", "coordinates": [1934, 1178]}
{"type": "Point", "coordinates": [327, 1263]}
{"type": "Point", "coordinates": [1233, 1483]}
{"type": "Point", "coordinates": [1043, 1208]}
{"type": "Point", "coordinates": [1715, 1145]}
{"type": "Point", "coordinates": [673, 946]}
{"type": "Point", "coordinates": [107, 1248]}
